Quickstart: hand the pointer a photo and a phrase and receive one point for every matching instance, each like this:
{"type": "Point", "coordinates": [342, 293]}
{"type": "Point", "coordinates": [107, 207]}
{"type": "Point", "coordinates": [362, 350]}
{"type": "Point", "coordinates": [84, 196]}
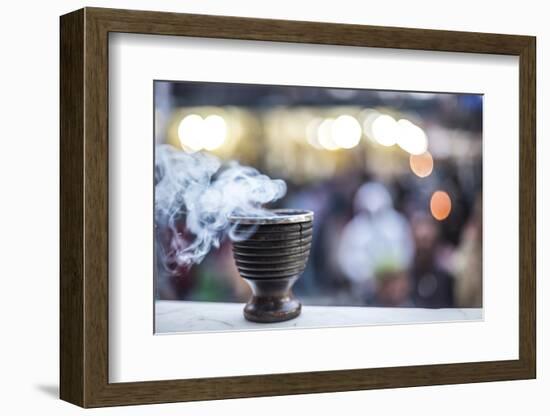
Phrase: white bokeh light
{"type": "Point", "coordinates": [214, 132]}
{"type": "Point", "coordinates": [346, 132]}
{"type": "Point", "coordinates": [324, 135]}
{"type": "Point", "coordinates": [196, 133]}
{"type": "Point", "coordinates": [385, 130]}
{"type": "Point", "coordinates": [411, 138]}
{"type": "Point", "coordinates": [312, 132]}
{"type": "Point", "coordinates": [190, 132]}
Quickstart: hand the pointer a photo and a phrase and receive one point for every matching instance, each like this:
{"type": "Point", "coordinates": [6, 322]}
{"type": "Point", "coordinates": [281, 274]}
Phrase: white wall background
{"type": "Point", "coordinates": [29, 158]}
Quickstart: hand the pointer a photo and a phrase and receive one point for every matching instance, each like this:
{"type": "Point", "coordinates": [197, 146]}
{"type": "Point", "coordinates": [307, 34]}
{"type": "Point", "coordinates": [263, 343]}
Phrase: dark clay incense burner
{"type": "Point", "coordinates": [271, 252]}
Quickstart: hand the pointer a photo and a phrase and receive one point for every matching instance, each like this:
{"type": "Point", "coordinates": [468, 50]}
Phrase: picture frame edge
{"type": "Point", "coordinates": [84, 212]}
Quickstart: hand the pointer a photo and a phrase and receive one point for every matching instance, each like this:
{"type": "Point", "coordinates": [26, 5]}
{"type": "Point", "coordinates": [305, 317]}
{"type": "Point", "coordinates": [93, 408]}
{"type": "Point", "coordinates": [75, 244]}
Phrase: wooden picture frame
{"type": "Point", "coordinates": [84, 207]}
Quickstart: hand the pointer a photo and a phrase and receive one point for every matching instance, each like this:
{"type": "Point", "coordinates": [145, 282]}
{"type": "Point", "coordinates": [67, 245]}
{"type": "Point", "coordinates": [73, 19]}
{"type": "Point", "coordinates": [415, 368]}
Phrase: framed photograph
{"type": "Point", "coordinates": [257, 207]}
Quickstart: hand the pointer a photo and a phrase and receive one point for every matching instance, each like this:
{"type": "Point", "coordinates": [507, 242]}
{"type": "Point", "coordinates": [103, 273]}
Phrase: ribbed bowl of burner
{"type": "Point", "coordinates": [271, 252]}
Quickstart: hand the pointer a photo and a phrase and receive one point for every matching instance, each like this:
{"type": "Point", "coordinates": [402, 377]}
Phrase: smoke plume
{"type": "Point", "coordinates": [197, 190]}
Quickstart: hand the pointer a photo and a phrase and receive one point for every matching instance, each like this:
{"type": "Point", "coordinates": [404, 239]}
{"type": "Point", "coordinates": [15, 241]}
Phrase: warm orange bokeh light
{"type": "Point", "coordinates": [422, 164]}
{"type": "Point", "coordinates": [440, 205]}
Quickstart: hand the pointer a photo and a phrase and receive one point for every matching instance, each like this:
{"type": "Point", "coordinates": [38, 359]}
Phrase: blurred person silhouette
{"type": "Point", "coordinates": [376, 248]}
{"type": "Point", "coordinates": [433, 285]}
{"type": "Point", "coordinates": [468, 261]}
{"type": "Point", "coordinates": [323, 283]}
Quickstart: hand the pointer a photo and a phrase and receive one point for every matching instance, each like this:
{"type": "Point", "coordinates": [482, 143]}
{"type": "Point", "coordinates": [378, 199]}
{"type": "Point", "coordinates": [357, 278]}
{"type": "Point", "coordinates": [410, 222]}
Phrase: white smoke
{"type": "Point", "coordinates": [196, 188]}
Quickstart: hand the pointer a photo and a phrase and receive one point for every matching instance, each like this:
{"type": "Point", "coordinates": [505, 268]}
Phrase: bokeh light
{"type": "Point", "coordinates": [411, 138]}
{"type": "Point", "coordinates": [324, 135]}
{"type": "Point", "coordinates": [422, 165]}
{"type": "Point", "coordinates": [215, 132]}
{"type": "Point", "coordinates": [311, 132]}
{"type": "Point", "coordinates": [196, 133]}
{"type": "Point", "coordinates": [440, 205]}
{"type": "Point", "coordinates": [190, 132]}
{"type": "Point", "coordinates": [346, 132]}
{"type": "Point", "coordinates": [384, 129]}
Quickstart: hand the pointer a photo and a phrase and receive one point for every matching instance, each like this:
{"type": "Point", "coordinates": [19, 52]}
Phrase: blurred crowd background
{"type": "Point", "coordinates": [394, 179]}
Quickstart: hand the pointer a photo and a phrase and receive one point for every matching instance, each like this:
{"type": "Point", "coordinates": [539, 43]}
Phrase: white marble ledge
{"type": "Point", "coordinates": [183, 316]}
